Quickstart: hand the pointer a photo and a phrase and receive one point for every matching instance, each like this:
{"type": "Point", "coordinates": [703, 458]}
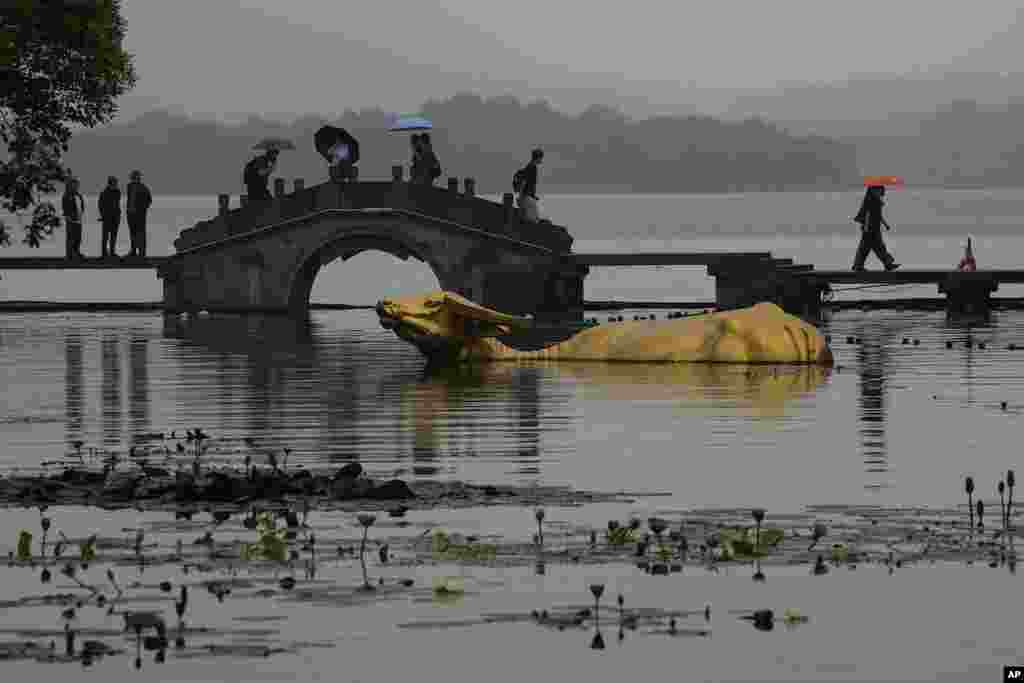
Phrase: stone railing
{"type": "Point", "coordinates": [448, 203]}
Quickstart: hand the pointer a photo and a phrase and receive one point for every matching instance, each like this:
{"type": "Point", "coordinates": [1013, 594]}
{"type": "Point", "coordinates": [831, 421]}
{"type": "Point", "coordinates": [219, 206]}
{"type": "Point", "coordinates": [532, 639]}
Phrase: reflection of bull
{"type": "Point", "coordinates": [446, 327]}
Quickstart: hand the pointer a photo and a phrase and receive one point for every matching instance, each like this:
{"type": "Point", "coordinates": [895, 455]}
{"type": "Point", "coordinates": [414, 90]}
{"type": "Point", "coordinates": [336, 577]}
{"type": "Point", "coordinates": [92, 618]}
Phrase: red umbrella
{"type": "Point", "coordinates": [883, 181]}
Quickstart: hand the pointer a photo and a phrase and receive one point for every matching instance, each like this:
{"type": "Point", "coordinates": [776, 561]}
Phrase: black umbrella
{"type": "Point", "coordinates": [328, 136]}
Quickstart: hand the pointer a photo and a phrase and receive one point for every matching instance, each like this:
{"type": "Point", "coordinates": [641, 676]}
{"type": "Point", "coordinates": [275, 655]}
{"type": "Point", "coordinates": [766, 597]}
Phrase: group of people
{"type": "Point", "coordinates": [424, 169]}
{"type": "Point", "coordinates": [138, 199]}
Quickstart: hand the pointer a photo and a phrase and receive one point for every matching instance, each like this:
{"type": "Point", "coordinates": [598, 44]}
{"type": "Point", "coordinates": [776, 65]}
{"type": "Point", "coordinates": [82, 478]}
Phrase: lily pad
{"type": "Point", "coordinates": [24, 546]}
{"type": "Point", "coordinates": [740, 543]}
{"type": "Point", "coordinates": [443, 548]}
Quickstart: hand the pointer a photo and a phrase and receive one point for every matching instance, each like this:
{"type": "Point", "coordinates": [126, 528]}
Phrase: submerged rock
{"type": "Point", "coordinates": [395, 489]}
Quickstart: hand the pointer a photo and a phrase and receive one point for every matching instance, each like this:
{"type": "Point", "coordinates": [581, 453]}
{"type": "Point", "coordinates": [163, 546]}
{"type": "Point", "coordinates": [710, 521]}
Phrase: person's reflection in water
{"type": "Point", "coordinates": [138, 387]}
{"type": "Point", "coordinates": [341, 441]}
{"type": "Point", "coordinates": [260, 383]}
{"type": "Point", "coordinates": [74, 394]}
{"type": "Point", "coordinates": [873, 359]}
{"type": "Point", "coordinates": [527, 396]}
{"type": "Point", "coordinates": [111, 390]}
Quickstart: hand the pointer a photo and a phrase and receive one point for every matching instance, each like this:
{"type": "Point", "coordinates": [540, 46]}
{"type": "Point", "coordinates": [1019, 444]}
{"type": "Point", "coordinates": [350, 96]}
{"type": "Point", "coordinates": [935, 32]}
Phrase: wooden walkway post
{"type": "Point", "coordinates": [223, 204]}
{"type": "Point", "coordinates": [507, 203]}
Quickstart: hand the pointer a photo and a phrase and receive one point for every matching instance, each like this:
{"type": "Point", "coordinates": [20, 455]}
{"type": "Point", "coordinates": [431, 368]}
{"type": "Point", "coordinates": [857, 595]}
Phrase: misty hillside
{"type": "Point", "coordinates": [598, 150]}
{"type": "Point", "coordinates": [964, 144]}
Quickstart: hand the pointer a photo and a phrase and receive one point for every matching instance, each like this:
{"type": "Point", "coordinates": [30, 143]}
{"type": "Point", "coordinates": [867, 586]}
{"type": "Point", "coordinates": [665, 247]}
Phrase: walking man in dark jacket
{"type": "Point", "coordinates": [137, 202]}
{"type": "Point", "coordinates": [73, 208]}
{"type": "Point", "coordinates": [871, 222]}
{"type": "Point", "coordinates": [525, 182]}
{"type": "Point", "coordinates": [110, 216]}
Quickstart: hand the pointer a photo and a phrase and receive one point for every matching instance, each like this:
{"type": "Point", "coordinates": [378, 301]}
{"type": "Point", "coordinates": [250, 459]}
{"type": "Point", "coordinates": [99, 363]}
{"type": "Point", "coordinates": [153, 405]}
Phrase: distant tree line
{"type": "Point", "coordinates": [599, 150]}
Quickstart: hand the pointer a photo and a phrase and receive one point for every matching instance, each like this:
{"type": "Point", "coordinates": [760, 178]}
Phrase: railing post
{"type": "Point", "coordinates": [470, 185]}
{"type": "Point", "coordinates": [243, 200]}
{"type": "Point", "coordinates": [223, 204]}
{"type": "Point", "coordinates": [300, 184]}
{"type": "Point", "coordinates": [396, 173]}
{"type": "Point", "coordinates": [278, 187]}
{"type": "Point", "coordinates": [510, 209]}
{"type": "Point", "coordinates": [453, 184]}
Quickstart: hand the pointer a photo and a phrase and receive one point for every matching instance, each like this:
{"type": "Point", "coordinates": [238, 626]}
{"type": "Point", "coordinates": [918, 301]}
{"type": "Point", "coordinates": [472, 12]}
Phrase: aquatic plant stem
{"type": "Point", "coordinates": [362, 557]}
{"type": "Point", "coordinates": [1010, 482]}
{"type": "Point", "coordinates": [969, 488]}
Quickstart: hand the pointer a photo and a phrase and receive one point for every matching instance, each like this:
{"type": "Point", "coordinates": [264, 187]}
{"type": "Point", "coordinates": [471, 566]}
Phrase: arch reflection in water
{"type": "Point", "coordinates": [873, 362]}
{"type": "Point", "coordinates": [275, 382]}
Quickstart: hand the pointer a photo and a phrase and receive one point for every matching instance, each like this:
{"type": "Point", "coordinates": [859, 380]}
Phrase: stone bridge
{"type": "Point", "coordinates": [265, 256]}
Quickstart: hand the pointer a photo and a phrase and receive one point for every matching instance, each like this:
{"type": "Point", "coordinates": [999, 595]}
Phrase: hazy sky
{"type": "Point", "coordinates": [270, 56]}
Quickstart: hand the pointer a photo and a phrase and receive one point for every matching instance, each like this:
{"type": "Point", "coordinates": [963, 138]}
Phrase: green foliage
{"type": "Point", "coordinates": [663, 552]}
{"type": "Point", "coordinates": [444, 549]}
{"type": "Point", "coordinates": [59, 65]}
{"type": "Point", "coordinates": [24, 546]}
{"type": "Point", "coordinates": [621, 535]}
{"type": "Point", "coordinates": [739, 543]}
{"type": "Point", "coordinates": [272, 543]}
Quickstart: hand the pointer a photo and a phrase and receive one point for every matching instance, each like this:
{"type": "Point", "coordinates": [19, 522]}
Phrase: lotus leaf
{"type": "Point", "coordinates": [448, 584]}
{"type": "Point", "coordinates": [620, 536]}
{"type": "Point", "coordinates": [739, 543]}
{"type": "Point", "coordinates": [272, 543]}
{"type": "Point", "coordinates": [87, 550]}
{"type": "Point", "coordinates": [840, 552]}
{"type": "Point", "coordinates": [25, 546]}
{"type": "Point", "coordinates": [443, 548]}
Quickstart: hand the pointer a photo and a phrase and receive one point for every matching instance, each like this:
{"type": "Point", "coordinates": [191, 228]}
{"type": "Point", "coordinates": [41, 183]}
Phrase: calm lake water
{"type": "Point", "coordinates": [893, 424]}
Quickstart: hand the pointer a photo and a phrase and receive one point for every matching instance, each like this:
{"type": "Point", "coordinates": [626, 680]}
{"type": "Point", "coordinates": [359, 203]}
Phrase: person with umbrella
{"type": "Point", "coordinates": [340, 149]}
{"type": "Point", "coordinates": [871, 222]}
{"type": "Point", "coordinates": [425, 167]}
{"type": "Point", "coordinates": [257, 175]}
{"type": "Point", "coordinates": [257, 172]}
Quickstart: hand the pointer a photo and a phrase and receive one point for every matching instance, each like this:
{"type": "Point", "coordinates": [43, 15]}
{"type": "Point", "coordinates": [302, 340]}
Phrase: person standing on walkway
{"type": "Point", "coordinates": [110, 216]}
{"type": "Point", "coordinates": [967, 263]}
{"type": "Point", "coordinates": [416, 163]}
{"type": "Point", "coordinates": [871, 222]}
{"type": "Point", "coordinates": [524, 183]}
{"type": "Point", "coordinates": [73, 208]}
{"type": "Point", "coordinates": [431, 166]}
{"type": "Point", "coordinates": [137, 202]}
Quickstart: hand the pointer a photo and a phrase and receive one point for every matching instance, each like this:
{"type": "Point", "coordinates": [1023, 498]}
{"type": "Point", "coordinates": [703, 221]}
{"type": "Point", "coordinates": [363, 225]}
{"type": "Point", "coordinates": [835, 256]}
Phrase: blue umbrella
{"type": "Point", "coordinates": [410, 123]}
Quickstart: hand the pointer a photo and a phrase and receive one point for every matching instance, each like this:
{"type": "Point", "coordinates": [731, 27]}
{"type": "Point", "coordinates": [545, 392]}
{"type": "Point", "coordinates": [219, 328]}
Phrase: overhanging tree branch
{"type": "Point", "coordinates": [61, 63]}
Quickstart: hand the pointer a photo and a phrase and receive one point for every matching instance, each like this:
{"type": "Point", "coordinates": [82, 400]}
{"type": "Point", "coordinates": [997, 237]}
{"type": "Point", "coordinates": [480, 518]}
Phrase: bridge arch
{"type": "Point", "coordinates": [347, 246]}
